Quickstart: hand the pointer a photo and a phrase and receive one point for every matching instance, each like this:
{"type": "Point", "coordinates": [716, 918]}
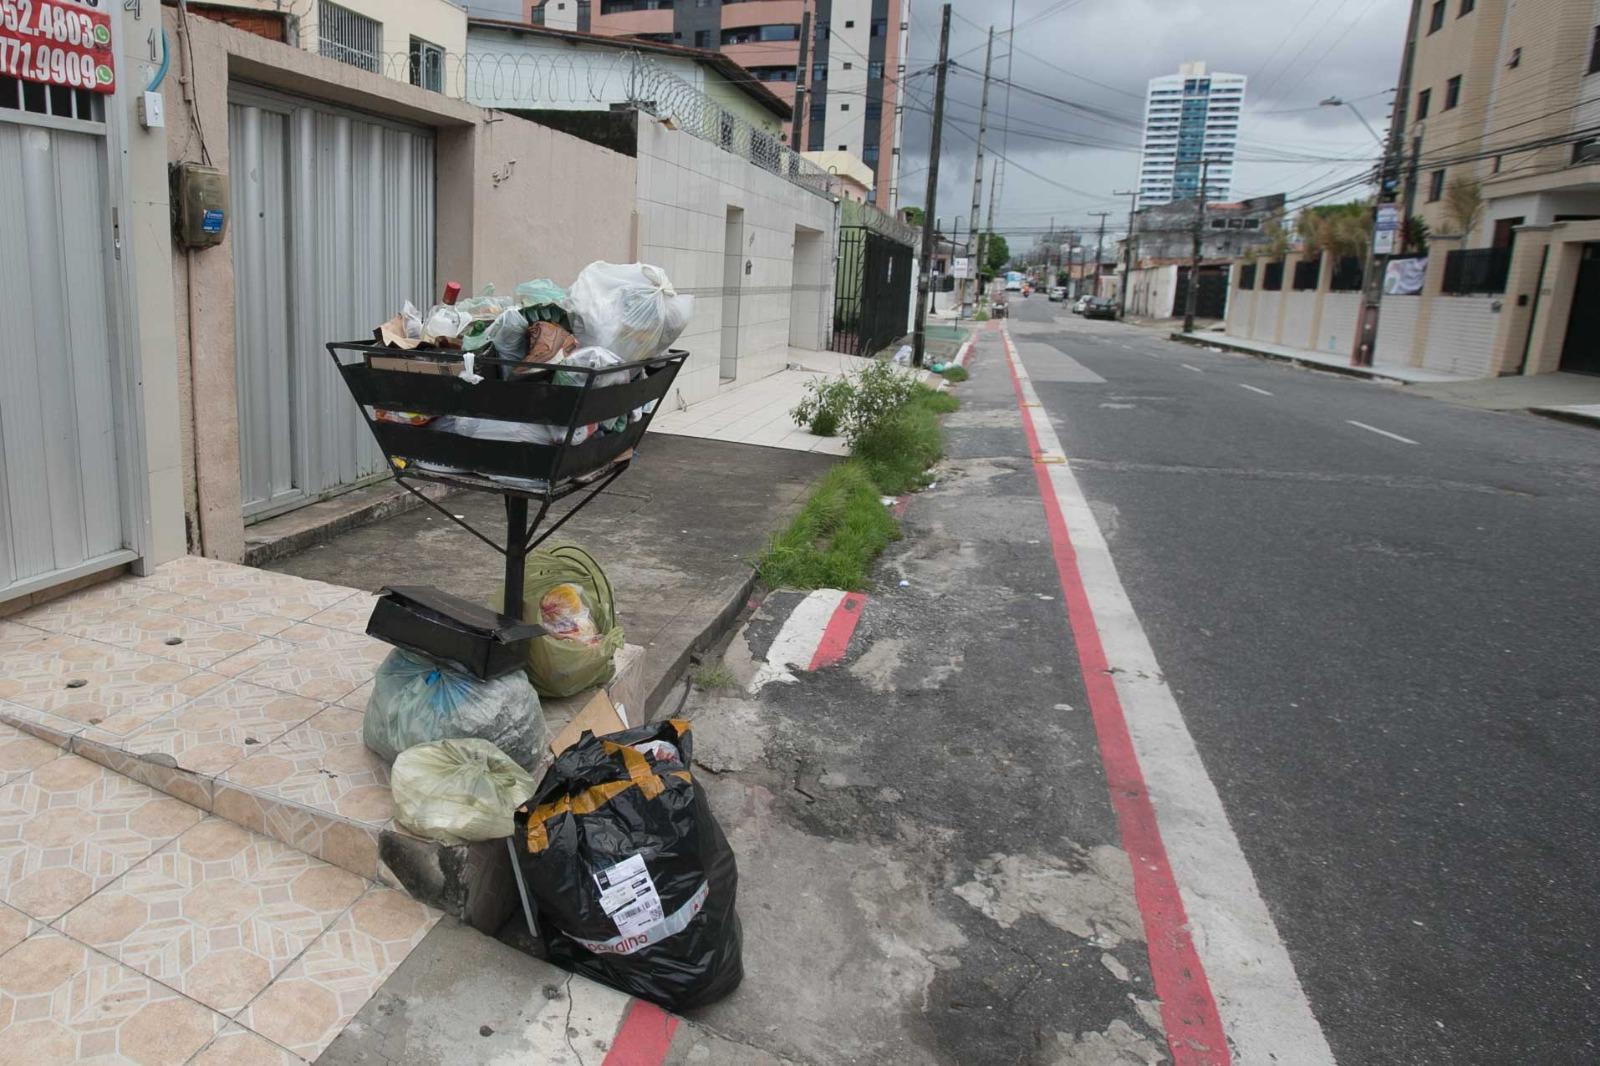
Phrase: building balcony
{"type": "Point", "coordinates": [623, 23]}
{"type": "Point", "coordinates": [761, 13]}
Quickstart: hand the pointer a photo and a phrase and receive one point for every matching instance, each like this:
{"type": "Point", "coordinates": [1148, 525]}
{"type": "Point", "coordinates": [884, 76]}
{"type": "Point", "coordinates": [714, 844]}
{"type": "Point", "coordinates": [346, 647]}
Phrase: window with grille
{"type": "Point", "coordinates": [427, 65]}
{"type": "Point", "coordinates": [59, 101]}
{"type": "Point", "coordinates": [348, 37]}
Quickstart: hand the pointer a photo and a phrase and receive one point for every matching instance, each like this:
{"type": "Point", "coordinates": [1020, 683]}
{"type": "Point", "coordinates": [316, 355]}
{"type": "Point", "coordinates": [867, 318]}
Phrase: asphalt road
{"type": "Point", "coordinates": [1379, 615]}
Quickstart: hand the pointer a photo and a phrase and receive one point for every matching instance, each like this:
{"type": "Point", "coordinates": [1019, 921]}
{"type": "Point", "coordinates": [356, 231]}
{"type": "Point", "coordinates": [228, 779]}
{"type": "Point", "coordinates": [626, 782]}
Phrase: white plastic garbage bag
{"type": "Point", "coordinates": [628, 308]}
{"type": "Point", "coordinates": [455, 791]}
{"type": "Point", "coordinates": [508, 335]}
{"type": "Point", "coordinates": [417, 701]}
{"type": "Point", "coordinates": [519, 432]}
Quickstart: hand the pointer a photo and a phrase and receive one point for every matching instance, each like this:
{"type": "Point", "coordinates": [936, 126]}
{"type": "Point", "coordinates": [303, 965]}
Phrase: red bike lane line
{"type": "Point", "coordinates": [1188, 1010]}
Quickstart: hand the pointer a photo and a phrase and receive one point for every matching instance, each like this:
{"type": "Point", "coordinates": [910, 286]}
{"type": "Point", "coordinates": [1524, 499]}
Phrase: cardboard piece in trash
{"type": "Point", "coordinates": [599, 716]}
{"type": "Point", "coordinates": [392, 334]}
{"type": "Point", "coordinates": [451, 367]}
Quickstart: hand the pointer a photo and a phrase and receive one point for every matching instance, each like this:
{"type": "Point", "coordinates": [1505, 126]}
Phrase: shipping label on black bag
{"type": "Point", "coordinates": [629, 897]}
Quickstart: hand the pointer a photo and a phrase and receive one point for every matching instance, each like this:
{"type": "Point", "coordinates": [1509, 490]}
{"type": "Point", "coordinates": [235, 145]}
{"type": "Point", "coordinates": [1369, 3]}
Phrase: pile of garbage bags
{"type": "Point", "coordinates": [614, 314]}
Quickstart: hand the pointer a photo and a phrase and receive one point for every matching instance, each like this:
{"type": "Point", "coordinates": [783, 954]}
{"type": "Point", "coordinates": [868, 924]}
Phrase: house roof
{"type": "Point", "coordinates": [738, 76]}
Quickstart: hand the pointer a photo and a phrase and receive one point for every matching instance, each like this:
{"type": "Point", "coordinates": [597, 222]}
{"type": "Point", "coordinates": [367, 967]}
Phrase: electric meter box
{"type": "Point", "coordinates": [199, 205]}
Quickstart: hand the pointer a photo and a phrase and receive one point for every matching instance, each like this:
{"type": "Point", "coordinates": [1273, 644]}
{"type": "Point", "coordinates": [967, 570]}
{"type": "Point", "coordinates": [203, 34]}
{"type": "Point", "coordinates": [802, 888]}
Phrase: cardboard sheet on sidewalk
{"type": "Point", "coordinates": [599, 716]}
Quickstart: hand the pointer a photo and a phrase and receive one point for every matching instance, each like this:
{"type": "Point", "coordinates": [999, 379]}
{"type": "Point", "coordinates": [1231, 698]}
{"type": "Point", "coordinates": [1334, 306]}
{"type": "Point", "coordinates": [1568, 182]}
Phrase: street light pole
{"type": "Point", "coordinates": [1334, 101]}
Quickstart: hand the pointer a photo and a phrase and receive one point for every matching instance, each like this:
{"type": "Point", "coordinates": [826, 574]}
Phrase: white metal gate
{"type": "Point", "coordinates": [332, 230]}
{"type": "Point", "coordinates": [62, 502]}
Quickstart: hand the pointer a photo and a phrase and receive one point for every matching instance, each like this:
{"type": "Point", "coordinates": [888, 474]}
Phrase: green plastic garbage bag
{"type": "Point", "coordinates": [456, 791]}
{"type": "Point", "coordinates": [565, 590]}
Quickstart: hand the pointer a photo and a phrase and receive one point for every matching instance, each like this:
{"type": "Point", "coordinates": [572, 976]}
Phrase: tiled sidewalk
{"type": "Point", "coordinates": [757, 412]}
{"type": "Point", "coordinates": [133, 927]}
{"type": "Point", "coordinates": [237, 690]}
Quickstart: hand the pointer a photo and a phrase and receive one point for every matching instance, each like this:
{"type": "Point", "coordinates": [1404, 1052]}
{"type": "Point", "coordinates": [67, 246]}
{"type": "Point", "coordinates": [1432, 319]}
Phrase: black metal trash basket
{"type": "Point", "coordinates": [515, 393]}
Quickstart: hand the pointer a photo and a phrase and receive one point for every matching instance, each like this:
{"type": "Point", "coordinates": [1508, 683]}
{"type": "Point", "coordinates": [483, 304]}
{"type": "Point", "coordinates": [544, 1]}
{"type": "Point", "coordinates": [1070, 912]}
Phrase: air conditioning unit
{"type": "Point", "coordinates": [1586, 152]}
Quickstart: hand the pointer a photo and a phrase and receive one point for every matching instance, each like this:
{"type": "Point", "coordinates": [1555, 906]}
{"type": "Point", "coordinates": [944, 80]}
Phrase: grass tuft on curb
{"type": "Point", "coordinates": [844, 525]}
{"type": "Point", "coordinates": [836, 535]}
{"type": "Point", "coordinates": [955, 374]}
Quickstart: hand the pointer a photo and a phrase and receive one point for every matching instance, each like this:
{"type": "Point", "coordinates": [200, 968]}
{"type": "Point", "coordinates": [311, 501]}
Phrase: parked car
{"type": "Point", "coordinates": [1101, 307]}
{"type": "Point", "coordinates": [1056, 294]}
{"type": "Point", "coordinates": [1080, 304]}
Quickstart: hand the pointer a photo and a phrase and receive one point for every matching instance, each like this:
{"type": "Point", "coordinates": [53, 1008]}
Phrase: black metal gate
{"type": "Point", "coordinates": [1213, 297]}
{"type": "Point", "coordinates": [872, 291]}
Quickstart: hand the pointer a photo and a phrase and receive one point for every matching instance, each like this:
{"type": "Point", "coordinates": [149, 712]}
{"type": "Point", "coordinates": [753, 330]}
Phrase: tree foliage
{"type": "Point", "coordinates": [1342, 229]}
{"type": "Point", "coordinates": [913, 215]}
{"type": "Point", "coordinates": [996, 253]}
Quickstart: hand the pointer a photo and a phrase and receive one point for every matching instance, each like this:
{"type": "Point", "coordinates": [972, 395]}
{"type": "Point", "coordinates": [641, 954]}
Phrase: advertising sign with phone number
{"type": "Point", "coordinates": [67, 43]}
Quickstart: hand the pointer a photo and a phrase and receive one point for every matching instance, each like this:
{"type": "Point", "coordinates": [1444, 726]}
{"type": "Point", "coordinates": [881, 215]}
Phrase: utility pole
{"type": "Point", "coordinates": [994, 179]}
{"type": "Point", "coordinates": [800, 108]}
{"type": "Point", "coordinates": [1099, 246]}
{"type": "Point", "coordinates": [1127, 246]}
{"type": "Point", "coordinates": [919, 336]}
{"type": "Point", "coordinates": [977, 171]}
{"type": "Point", "coordinates": [1191, 298]}
{"type": "Point", "coordinates": [1388, 173]}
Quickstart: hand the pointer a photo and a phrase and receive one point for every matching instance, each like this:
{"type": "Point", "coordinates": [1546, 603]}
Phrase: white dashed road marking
{"type": "Point", "coordinates": [1196, 369]}
{"type": "Point", "coordinates": [1252, 388]}
{"type": "Point", "coordinates": [1380, 432]}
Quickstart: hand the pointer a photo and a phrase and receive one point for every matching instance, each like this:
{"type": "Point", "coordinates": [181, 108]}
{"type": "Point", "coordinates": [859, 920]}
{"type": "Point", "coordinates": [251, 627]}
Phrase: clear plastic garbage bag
{"type": "Point", "coordinates": [417, 701]}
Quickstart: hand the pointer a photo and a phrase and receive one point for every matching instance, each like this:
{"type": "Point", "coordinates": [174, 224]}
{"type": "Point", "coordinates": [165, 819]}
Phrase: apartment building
{"type": "Point", "coordinates": [839, 62]}
{"type": "Point", "coordinates": [1504, 99]}
{"type": "Point", "coordinates": [1189, 117]}
{"type": "Point", "coordinates": [407, 40]}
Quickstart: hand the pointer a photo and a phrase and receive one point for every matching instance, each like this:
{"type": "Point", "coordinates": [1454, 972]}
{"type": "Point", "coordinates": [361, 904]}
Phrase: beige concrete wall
{"type": "Point", "coordinates": [1522, 282]}
{"type": "Point", "coordinates": [1397, 329]}
{"type": "Point", "coordinates": [561, 205]}
{"type": "Point", "coordinates": [1336, 329]}
{"type": "Point", "coordinates": [1556, 293]}
{"type": "Point", "coordinates": [528, 225]}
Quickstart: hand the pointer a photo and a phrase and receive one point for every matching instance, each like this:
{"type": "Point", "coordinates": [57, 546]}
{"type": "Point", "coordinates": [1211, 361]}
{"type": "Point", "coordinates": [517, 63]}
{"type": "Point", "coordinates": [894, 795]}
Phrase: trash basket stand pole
{"type": "Point", "coordinates": [516, 551]}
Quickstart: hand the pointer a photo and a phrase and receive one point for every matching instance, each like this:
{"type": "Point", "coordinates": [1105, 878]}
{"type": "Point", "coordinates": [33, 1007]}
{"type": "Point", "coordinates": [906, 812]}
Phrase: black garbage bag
{"type": "Point", "coordinates": [633, 882]}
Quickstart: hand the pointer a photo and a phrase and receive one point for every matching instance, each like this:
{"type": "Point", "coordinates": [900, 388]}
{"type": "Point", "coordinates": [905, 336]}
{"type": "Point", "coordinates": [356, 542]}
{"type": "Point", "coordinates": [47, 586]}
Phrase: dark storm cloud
{"type": "Point", "coordinates": [1100, 53]}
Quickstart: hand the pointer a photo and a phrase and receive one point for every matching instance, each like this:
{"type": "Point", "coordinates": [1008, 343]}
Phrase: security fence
{"type": "Point", "coordinates": [872, 291]}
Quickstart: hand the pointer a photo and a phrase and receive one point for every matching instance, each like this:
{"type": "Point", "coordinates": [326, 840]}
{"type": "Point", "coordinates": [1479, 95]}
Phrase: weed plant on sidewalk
{"type": "Point", "coordinates": [893, 428]}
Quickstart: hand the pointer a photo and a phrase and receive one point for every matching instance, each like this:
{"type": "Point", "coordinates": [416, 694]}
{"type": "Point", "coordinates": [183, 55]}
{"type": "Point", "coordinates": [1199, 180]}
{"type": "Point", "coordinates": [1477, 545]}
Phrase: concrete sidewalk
{"type": "Point", "coordinates": [1338, 364]}
{"type": "Point", "coordinates": [676, 535]}
{"type": "Point", "coordinates": [758, 412]}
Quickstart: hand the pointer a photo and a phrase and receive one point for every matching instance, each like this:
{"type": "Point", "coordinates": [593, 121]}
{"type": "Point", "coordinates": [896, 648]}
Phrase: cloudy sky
{"type": "Point", "coordinates": [1095, 57]}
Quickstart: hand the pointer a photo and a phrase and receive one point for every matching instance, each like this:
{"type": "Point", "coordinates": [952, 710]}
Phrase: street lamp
{"type": "Point", "coordinates": [1334, 101]}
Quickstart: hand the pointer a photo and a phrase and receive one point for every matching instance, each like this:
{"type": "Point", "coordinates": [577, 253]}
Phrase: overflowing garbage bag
{"type": "Point", "coordinates": [630, 875]}
{"type": "Point", "coordinates": [456, 791]}
{"type": "Point", "coordinates": [417, 701]}
{"type": "Point", "coordinates": [566, 591]}
{"type": "Point", "coordinates": [628, 308]}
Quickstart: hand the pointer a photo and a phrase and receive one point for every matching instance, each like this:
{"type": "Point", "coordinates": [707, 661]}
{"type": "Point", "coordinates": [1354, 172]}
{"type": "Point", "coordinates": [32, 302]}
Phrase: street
{"type": "Point", "coordinates": [1384, 651]}
{"type": "Point", "coordinates": [1372, 612]}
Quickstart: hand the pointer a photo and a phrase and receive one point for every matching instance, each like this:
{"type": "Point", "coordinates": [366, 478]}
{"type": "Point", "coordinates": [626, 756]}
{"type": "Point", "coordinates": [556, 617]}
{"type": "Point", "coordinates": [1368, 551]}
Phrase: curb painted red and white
{"type": "Point", "coordinates": [816, 634]}
{"type": "Point", "coordinates": [1228, 990]}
